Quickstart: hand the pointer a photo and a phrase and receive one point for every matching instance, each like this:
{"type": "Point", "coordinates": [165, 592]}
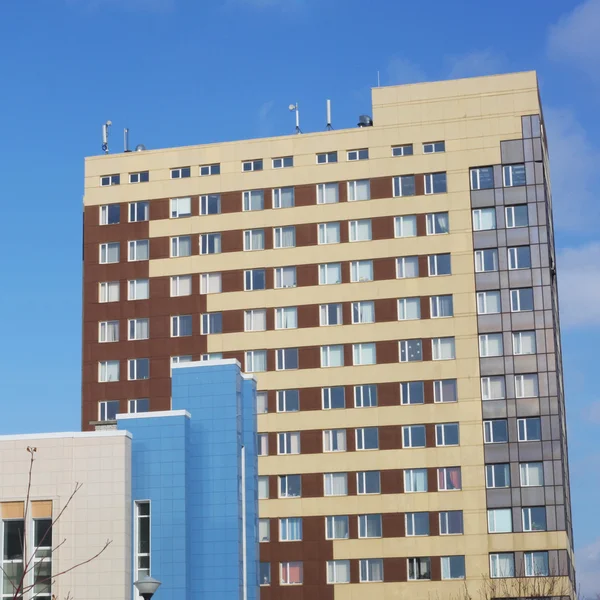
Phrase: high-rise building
{"type": "Point", "coordinates": [393, 289]}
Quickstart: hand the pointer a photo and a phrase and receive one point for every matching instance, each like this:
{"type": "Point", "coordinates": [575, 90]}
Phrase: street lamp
{"type": "Point", "coordinates": [147, 586]}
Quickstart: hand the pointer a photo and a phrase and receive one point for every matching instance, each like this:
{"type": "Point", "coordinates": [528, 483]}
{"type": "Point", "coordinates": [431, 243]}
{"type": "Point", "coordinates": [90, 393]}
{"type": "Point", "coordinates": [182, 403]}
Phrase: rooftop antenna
{"type": "Point", "coordinates": [294, 107]}
{"type": "Point", "coordinates": [126, 139]}
{"type": "Point", "coordinates": [105, 129]}
{"type": "Point", "coordinates": [329, 127]}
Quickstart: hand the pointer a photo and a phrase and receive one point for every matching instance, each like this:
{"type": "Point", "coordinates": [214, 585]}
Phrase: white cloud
{"type": "Point", "coordinates": [402, 70]}
{"type": "Point", "coordinates": [474, 64]}
{"type": "Point", "coordinates": [575, 39]}
{"type": "Point", "coordinates": [587, 564]}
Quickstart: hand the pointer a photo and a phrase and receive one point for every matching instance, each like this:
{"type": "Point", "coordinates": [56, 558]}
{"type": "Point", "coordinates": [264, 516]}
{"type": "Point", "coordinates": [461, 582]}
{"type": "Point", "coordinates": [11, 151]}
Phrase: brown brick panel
{"type": "Point", "coordinates": [311, 441]}
{"type": "Point", "coordinates": [387, 352]}
{"type": "Point", "coordinates": [381, 187]}
{"type": "Point", "coordinates": [232, 241]}
{"type": "Point", "coordinates": [161, 247]}
{"type": "Point", "coordinates": [419, 185]}
{"type": "Point", "coordinates": [343, 187]}
{"type": "Point", "coordinates": [161, 208]}
{"type": "Point", "coordinates": [122, 232]}
{"type": "Point", "coordinates": [231, 202]}
{"type": "Point", "coordinates": [421, 224]}
{"type": "Point", "coordinates": [382, 228]}
{"type": "Point", "coordinates": [384, 268]}
{"type": "Point", "coordinates": [232, 281]}
{"type": "Point", "coordinates": [392, 481]}
{"type": "Point", "coordinates": [425, 307]}
{"type": "Point", "coordinates": [426, 346]}
{"type": "Point", "coordinates": [305, 195]}
{"type": "Point", "coordinates": [423, 266]}
{"type": "Point", "coordinates": [430, 435]}
{"type": "Point", "coordinates": [394, 569]}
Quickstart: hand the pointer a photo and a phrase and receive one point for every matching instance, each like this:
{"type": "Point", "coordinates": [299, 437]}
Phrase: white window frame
{"type": "Point", "coordinates": [281, 319]}
{"type": "Point", "coordinates": [517, 342]}
{"type": "Point", "coordinates": [176, 212]}
{"type": "Point", "coordinates": [258, 314]}
{"type": "Point", "coordinates": [358, 351]}
{"type": "Point", "coordinates": [401, 266]}
{"type": "Point", "coordinates": [176, 244]}
{"type": "Point", "coordinates": [515, 300]}
{"type": "Point", "coordinates": [402, 150]}
{"type": "Point", "coordinates": [282, 165]}
{"type": "Point", "coordinates": [132, 329]}
{"type": "Point", "coordinates": [355, 189]}
{"type": "Point", "coordinates": [354, 228]}
{"type": "Point", "coordinates": [207, 281]}
{"type": "Point", "coordinates": [133, 211]}
{"type": "Point", "coordinates": [176, 325]}
{"type": "Point", "coordinates": [133, 362]}
{"type": "Point", "coordinates": [107, 293]}
{"type": "Point", "coordinates": [324, 273]}
{"type": "Point", "coordinates": [250, 273]}
{"type": "Point", "coordinates": [254, 164]}
{"type": "Point", "coordinates": [249, 235]}
{"type": "Point", "coordinates": [288, 442]}
{"type": "Point", "coordinates": [329, 157]}
{"type": "Point", "coordinates": [324, 314]}
{"type": "Point", "coordinates": [409, 481]}
{"type": "Point", "coordinates": [411, 431]}
{"type": "Point", "coordinates": [353, 155]}
{"type": "Point", "coordinates": [104, 248]}
{"type": "Point", "coordinates": [181, 173]}
{"type": "Point", "coordinates": [277, 195]}
{"type": "Point", "coordinates": [104, 327]}
{"type": "Point", "coordinates": [139, 177]}
{"type": "Point", "coordinates": [335, 440]}
{"type": "Point", "coordinates": [402, 304]}
{"type": "Point", "coordinates": [179, 281]}
{"type": "Point", "coordinates": [482, 302]}
{"type": "Point", "coordinates": [132, 289]}
{"type": "Point", "coordinates": [216, 241]}
{"type": "Point", "coordinates": [133, 250]}
{"type": "Point", "coordinates": [326, 353]}
{"type": "Point", "coordinates": [279, 233]}
{"type": "Point", "coordinates": [510, 216]}
{"type": "Point", "coordinates": [522, 429]}
{"type": "Point", "coordinates": [323, 232]}
{"type": "Point", "coordinates": [356, 266]}
{"type": "Point", "coordinates": [278, 274]}
{"type": "Point", "coordinates": [359, 438]}
{"type": "Point", "coordinates": [205, 200]}
{"type": "Point", "coordinates": [438, 391]}
{"type": "Point", "coordinates": [249, 359]}
{"type": "Point", "coordinates": [434, 147]}
{"type": "Point", "coordinates": [399, 226]}
{"type": "Point", "coordinates": [440, 434]}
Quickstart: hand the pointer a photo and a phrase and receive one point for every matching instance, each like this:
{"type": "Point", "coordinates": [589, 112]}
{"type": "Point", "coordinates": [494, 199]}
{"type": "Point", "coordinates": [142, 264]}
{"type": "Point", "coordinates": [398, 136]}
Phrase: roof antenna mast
{"type": "Point", "coordinates": [105, 129]}
{"type": "Point", "coordinates": [294, 107]}
{"type": "Point", "coordinates": [329, 126]}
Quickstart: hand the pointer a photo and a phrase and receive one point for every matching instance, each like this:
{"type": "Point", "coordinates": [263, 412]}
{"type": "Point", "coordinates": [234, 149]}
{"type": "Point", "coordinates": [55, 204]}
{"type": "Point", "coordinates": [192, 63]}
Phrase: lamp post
{"type": "Point", "coordinates": [147, 587]}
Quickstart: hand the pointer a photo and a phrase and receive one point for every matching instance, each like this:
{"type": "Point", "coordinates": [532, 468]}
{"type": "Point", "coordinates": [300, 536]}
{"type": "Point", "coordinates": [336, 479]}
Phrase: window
{"type": "Point", "coordinates": [500, 520]}
{"type": "Point", "coordinates": [442, 348]}
{"type": "Point", "coordinates": [285, 277]}
{"type": "Point", "coordinates": [139, 329]}
{"type": "Point", "coordinates": [530, 429]}
{"type": "Point", "coordinates": [286, 318]}
{"type": "Point", "coordinates": [335, 484]}
{"type": "Point", "coordinates": [139, 405]}
{"type": "Point", "coordinates": [333, 397]}
{"type": "Point", "coordinates": [181, 173]}
{"type": "Point", "coordinates": [405, 226]}
{"type": "Point", "coordinates": [536, 564]}
{"type": "Point", "coordinates": [138, 289]}
{"type": "Point", "coordinates": [361, 271]}
{"type": "Point", "coordinates": [326, 157]}
{"type": "Point", "coordinates": [534, 518]}
{"type": "Point", "coordinates": [411, 350]}
{"type": "Point", "coordinates": [334, 440]}
{"type": "Point", "coordinates": [404, 185]}
{"type": "Point", "coordinates": [362, 154]}
{"type": "Point", "coordinates": [108, 370]}
{"type": "Point", "coordinates": [484, 219]}
{"type": "Point", "coordinates": [497, 476]}
{"type": "Point", "coordinates": [288, 443]}
{"type": "Point", "coordinates": [109, 291]}
{"type": "Point", "coordinates": [254, 200]}
{"type": "Point", "coordinates": [290, 486]}
{"type": "Point", "coordinates": [181, 285]}
{"type": "Point", "coordinates": [286, 359]}
{"type": "Point", "coordinates": [453, 567]}
{"type": "Point", "coordinates": [210, 204]}
{"type": "Point", "coordinates": [417, 523]}
{"type": "Point", "coordinates": [291, 573]}
{"type": "Point", "coordinates": [412, 392]}
{"type": "Point", "coordinates": [449, 479]}
{"type": "Point", "coordinates": [264, 530]}
{"type": "Point", "coordinates": [42, 560]}
{"type": "Point", "coordinates": [211, 323]}
{"type": "Point", "coordinates": [330, 273]}
{"type": "Point", "coordinates": [139, 211]}
{"type": "Point", "coordinates": [330, 314]}
{"type": "Point", "coordinates": [441, 306]}
{"type": "Point", "coordinates": [329, 233]}
{"type": "Point", "coordinates": [338, 571]}
{"type": "Point", "coordinates": [482, 178]}
{"type": "Point", "coordinates": [364, 354]}
{"type": "Point", "coordinates": [490, 344]}
{"type": "Point", "coordinates": [332, 356]}
{"type": "Point", "coordinates": [513, 175]}
{"type": "Point", "coordinates": [138, 250]}
{"type": "Point", "coordinates": [407, 267]}
{"type": "Point", "coordinates": [283, 162]}
{"type": "Point", "coordinates": [185, 358]}
{"type": "Point", "coordinates": [141, 177]}
{"type": "Point", "coordinates": [108, 410]}
{"type": "Point", "coordinates": [255, 320]}
{"type": "Point", "coordinates": [256, 361]}
{"type": "Point", "coordinates": [110, 214]}
{"type": "Point", "coordinates": [486, 260]}
{"type": "Point", "coordinates": [488, 303]}
{"type": "Point", "coordinates": [369, 526]}
{"type": "Point", "coordinates": [181, 207]}
{"type": "Point", "coordinates": [433, 147]}
{"type": "Point", "coordinates": [262, 443]}
{"type": "Point", "coordinates": [438, 223]}
{"type": "Point", "coordinates": [143, 539]}
{"type": "Point", "coordinates": [493, 388]}
{"type": "Point", "coordinates": [359, 190]}
{"type": "Point", "coordinates": [502, 565]}
{"type": "Point", "coordinates": [519, 257]}
{"type": "Point", "coordinates": [365, 395]}
{"type": "Point", "coordinates": [444, 390]}
{"type": "Point", "coordinates": [283, 197]}
{"type": "Point", "coordinates": [254, 280]}
{"type": "Point", "coordinates": [495, 431]}
{"type": "Point", "coordinates": [328, 193]}
{"type": "Point", "coordinates": [439, 264]}
{"type": "Point", "coordinates": [108, 331]}
{"type": "Point", "coordinates": [336, 528]}
{"type": "Point", "coordinates": [284, 237]}
{"type": "Point", "coordinates": [413, 436]}
{"type": "Point", "coordinates": [254, 239]}
{"type": "Point", "coordinates": [110, 180]}
{"type": "Point", "coordinates": [405, 150]}
{"type": "Point", "coordinates": [263, 487]}
{"type": "Point", "coordinates": [370, 569]}
{"type": "Point", "coordinates": [517, 216]}
{"type": "Point", "coordinates": [451, 522]}
{"type": "Point", "coordinates": [419, 569]}
{"type": "Point", "coordinates": [367, 438]}
{"type": "Point", "coordinates": [526, 386]}
{"type": "Point", "coordinates": [435, 183]}
{"type": "Point", "coordinates": [360, 231]}
{"type": "Point", "coordinates": [532, 474]}
{"type": "Point", "coordinates": [138, 368]}
{"type": "Point", "coordinates": [262, 403]}
{"type": "Point", "coordinates": [368, 482]}
{"type": "Point", "coordinates": [415, 480]}
{"type": "Point", "coordinates": [181, 246]}
{"type": "Point", "coordinates": [446, 434]}
{"type": "Point", "coordinates": [206, 170]}
{"type": "Point", "coordinates": [524, 342]}
{"type": "Point", "coordinates": [210, 283]}
{"type": "Point", "coordinates": [252, 165]}
{"type": "Point", "coordinates": [109, 253]}
{"type": "Point", "coordinates": [363, 312]}
{"type": "Point", "coordinates": [210, 243]}
{"type": "Point", "coordinates": [264, 573]}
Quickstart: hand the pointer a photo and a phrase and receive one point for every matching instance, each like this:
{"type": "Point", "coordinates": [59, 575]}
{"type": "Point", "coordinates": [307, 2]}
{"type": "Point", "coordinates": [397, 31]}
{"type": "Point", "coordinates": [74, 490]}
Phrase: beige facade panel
{"type": "Point", "coordinates": [41, 509]}
{"type": "Point", "coordinates": [13, 510]}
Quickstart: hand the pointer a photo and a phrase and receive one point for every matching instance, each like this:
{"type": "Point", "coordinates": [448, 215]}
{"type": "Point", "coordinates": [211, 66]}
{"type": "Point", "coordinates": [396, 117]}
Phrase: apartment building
{"type": "Point", "coordinates": [392, 288]}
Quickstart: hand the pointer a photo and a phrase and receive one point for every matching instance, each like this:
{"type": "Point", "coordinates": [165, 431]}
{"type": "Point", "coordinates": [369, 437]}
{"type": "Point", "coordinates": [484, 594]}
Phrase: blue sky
{"type": "Point", "coordinates": [186, 72]}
